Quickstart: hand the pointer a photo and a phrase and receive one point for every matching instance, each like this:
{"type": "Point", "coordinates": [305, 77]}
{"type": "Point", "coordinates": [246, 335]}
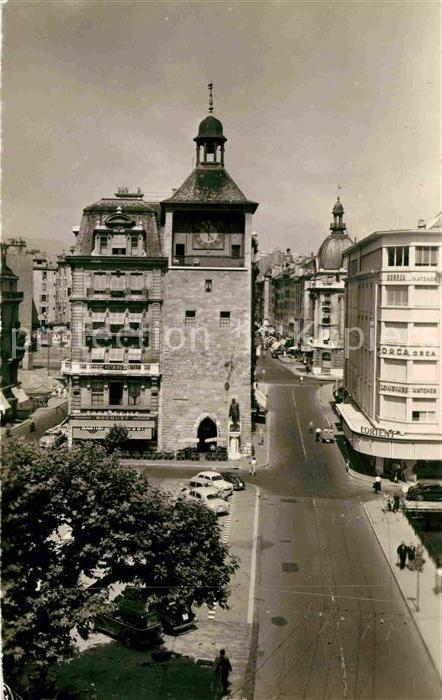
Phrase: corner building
{"type": "Point", "coordinates": [206, 353]}
{"type": "Point", "coordinates": [393, 373]}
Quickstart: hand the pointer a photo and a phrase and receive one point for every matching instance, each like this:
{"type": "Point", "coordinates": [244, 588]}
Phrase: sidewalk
{"type": "Point", "coordinates": [418, 589]}
{"type": "Point", "coordinates": [298, 368]}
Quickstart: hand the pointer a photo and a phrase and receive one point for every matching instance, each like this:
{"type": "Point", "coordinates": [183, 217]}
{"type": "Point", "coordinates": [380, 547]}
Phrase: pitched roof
{"type": "Point", "coordinates": [146, 213]}
{"type": "Point", "coordinates": [209, 185]}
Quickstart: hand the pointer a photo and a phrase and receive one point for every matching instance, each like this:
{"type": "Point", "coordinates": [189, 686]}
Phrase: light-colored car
{"type": "Point", "coordinates": [327, 435]}
{"type": "Point", "coordinates": [208, 496]}
{"type": "Point", "coordinates": [215, 479]}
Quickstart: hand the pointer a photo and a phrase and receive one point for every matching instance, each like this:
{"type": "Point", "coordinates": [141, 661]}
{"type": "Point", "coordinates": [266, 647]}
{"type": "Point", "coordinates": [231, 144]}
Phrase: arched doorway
{"type": "Point", "coordinates": [206, 430]}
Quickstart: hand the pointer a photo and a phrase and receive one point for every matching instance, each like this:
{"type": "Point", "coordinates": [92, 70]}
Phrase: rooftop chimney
{"type": "Point", "coordinates": [421, 223]}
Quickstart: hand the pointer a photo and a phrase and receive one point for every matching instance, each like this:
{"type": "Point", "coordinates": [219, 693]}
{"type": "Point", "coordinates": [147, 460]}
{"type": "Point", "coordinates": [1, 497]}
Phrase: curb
{"type": "Point", "coordinates": [410, 612]}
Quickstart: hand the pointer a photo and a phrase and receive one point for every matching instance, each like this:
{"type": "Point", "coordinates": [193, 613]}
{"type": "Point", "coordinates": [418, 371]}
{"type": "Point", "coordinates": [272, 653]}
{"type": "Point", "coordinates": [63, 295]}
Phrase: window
{"type": "Point", "coordinates": [393, 407]}
{"type": "Point", "coordinates": [425, 334]}
{"type": "Point", "coordinates": [119, 243]}
{"type": "Point", "coordinates": [394, 370]}
{"type": "Point", "coordinates": [118, 284]}
{"type": "Point", "coordinates": [103, 244]}
{"type": "Point", "coordinates": [44, 275]}
{"type": "Point", "coordinates": [134, 391]}
{"type": "Point", "coordinates": [425, 296]}
{"type": "Point", "coordinates": [190, 318]}
{"type": "Point", "coordinates": [426, 256]}
{"type": "Point", "coordinates": [180, 250]}
{"type": "Point", "coordinates": [236, 251]}
{"type": "Point", "coordinates": [100, 282]}
{"type": "Point", "coordinates": [97, 393]}
{"type": "Point", "coordinates": [43, 297]}
{"type": "Point", "coordinates": [425, 371]}
{"type": "Point", "coordinates": [326, 320]}
{"type": "Point", "coordinates": [395, 333]}
{"type": "Point", "coordinates": [134, 245]}
{"type": "Point", "coordinates": [424, 411]}
{"type": "Point", "coordinates": [397, 295]}
{"type": "Point", "coordinates": [224, 318]}
{"type": "Point", "coordinates": [115, 393]}
{"type": "Point", "coordinates": [208, 285]}
{"type": "Point", "coordinates": [398, 256]}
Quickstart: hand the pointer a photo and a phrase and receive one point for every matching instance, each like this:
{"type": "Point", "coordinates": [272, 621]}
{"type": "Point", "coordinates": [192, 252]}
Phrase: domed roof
{"type": "Point", "coordinates": [210, 126]}
{"type": "Point", "coordinates": [331, 251]}
{"type": "Point", "coordinates": [338, 208]}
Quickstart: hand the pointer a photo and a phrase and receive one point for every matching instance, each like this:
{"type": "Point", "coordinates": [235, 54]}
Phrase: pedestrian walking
{"type": "Point", "coordinates": [347, 465]}
{"type": "Point", "coordinates": [301, 379]}
{"type": "Point", "coordinates": [310, 427]}
{"type": "Point", "coordinates": [253, 466]}
{"type": "Point", "coordinates": [396, 502]}
{"type": "Point", "coordinates": [222, 668]}
{"type": "Point", "coordinates": [377, 485]}
{"type": "Point", "coordinates": [402, 551]}
{"type": "Point", "coordinates": [318, 432]}
{"type": "Point", "coordinates": [411, 556]}
{"type": "Point", "coordinates": [261, 438]}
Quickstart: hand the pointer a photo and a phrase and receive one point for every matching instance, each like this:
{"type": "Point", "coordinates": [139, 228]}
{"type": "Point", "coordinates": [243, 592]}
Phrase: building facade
{"type": "Point", "coordinates": [63, 284]}
{"type": "Point", "coordinates": [11, 342]}
{"type": "Point", "coordinates": [206, 354]}
{"type": "Point", "coordinates": [117, 295]}
{"type": "Point", "coordinates": [44, 288]}
{"type": "Point", "coordinates": [392, 366]}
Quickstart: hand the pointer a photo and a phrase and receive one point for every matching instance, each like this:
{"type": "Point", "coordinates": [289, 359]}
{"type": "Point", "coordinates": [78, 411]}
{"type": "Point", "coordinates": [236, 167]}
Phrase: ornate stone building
{"type": "Point", "coordinates": [206, 354]}
{"type": "Point", "coordinates": [117, 289]}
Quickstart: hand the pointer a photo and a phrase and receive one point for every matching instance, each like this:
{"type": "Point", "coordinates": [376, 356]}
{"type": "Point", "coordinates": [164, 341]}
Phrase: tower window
{"type": "Point", "coordinates": [224, 318]}
{"type": "Point", "coordinates": [190, 318]}
{"type": "Point", "coordinates": [208, 285]}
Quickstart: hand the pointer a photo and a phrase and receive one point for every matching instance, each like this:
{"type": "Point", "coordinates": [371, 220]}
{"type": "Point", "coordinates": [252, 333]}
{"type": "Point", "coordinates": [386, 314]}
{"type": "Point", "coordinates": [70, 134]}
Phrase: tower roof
{"type": "Point", "coordinates": [338, 208]}
{"type": "Point", "coordinates": [209, 185]}
{"type": "Point", "coordinates": [210, 127]}
{"type": "Point", "coordinates": [331, 251]}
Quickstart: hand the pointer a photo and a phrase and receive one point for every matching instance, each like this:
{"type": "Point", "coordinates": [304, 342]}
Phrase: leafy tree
{"type": "Point", "coordinates": [72, 518]}
{"type": "Point", "coordinates": [115, 438]}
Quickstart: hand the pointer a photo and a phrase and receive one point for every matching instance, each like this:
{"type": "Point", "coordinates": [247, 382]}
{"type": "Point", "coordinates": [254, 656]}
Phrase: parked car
{"type": "Point", "coordinates": [131, 620]}
{"type": "Point", "coordinates": [208, 496]}
{"type": "Point", "coordinates": [424, 494]}
{"type": "Point", "coordinates": [234, 479]}
{"type": "Point", "coordinates": [327, 435]}
{"type": "Point", "coordinates": [215, 479]}
{"type": "Point", "coordinates": [175, 618]}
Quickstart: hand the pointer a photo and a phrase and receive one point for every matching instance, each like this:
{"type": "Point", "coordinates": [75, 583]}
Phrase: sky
{"type": "Point", "coordinates": [312, 95]}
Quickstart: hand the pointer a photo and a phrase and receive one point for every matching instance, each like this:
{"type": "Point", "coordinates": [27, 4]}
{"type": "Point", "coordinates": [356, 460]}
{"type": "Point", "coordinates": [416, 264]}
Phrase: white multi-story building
{"type": "Point", "coordinates": [392, 352]}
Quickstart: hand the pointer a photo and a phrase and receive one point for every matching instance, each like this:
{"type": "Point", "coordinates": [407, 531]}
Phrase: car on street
{"type": "Point", "coordinates": [237, 482]}
{"type": "Point", "coordinates": [215, 479]}
{"type": "Point", "coordinates": [424, 495]}
{"type": "Point", "coordinates": [327, 435]}
{"type": "Point", "coordinates": [207, 496]}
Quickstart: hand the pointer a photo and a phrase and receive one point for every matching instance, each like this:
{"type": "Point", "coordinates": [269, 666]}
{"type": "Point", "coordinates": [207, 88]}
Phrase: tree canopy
{"type": "Point", "coordinates": [71, 518]}
{"type": "Point", "coordinates": [115, 438]}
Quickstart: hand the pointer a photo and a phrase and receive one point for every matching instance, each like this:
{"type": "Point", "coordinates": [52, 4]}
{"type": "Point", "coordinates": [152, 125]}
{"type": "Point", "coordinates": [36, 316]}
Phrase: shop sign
{"type": "Point", "coordinates": [403, 389]}
{"type": "Point", "coordinates": [412, 277]}
{"type": "Point", "coordinates": [408, 352]}
{"type": "Point", "coordinates": [378, 432]}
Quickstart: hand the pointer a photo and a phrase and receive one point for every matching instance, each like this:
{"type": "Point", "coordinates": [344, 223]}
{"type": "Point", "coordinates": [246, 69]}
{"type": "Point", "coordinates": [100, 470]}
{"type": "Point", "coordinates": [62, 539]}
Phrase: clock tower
{"type": "Point", "coordinates": [206, 362]}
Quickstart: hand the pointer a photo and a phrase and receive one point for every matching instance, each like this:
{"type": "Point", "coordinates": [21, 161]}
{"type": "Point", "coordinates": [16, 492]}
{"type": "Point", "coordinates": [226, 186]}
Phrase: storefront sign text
{"type": "Point", "coordinates": [378, 432]}
{"type": "Point", "coordinates": [403, 351]}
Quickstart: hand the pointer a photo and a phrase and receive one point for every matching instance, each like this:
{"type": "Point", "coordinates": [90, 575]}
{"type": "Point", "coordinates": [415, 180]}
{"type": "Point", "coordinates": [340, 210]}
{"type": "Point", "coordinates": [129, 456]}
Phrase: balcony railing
{"type": "Point", "coordinates": [146, 368]}
{"type": "Point", "coordinates": [141, 294]}
{"type": "Point", "coordinates": [206, 261]}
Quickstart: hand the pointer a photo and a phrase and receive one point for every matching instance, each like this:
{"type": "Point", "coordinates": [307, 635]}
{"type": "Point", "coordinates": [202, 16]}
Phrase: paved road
{"type": "Point", "coordinates": [332, 622]}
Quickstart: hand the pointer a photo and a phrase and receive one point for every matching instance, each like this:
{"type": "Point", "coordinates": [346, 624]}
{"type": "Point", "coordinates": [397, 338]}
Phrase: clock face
{"type": "Point", "coordinates": [208, 236]}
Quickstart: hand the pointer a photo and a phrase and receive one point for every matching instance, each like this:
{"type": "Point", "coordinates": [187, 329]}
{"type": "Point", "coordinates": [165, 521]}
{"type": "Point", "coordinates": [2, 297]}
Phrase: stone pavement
{"type": "Point", "coordinates": [418, 589]}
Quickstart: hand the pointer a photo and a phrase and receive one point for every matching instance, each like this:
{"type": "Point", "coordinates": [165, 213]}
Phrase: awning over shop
{"type": "Point", "coordinates": [98, 429]}
{"type": "Point", "coordinates": [20, 394]}
{"type": "Point", "coordinates": [4, 403]}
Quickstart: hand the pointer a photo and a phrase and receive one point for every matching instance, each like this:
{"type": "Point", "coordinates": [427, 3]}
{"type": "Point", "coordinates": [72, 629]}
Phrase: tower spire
{"type": "Point", "coordinates": [210, 86]}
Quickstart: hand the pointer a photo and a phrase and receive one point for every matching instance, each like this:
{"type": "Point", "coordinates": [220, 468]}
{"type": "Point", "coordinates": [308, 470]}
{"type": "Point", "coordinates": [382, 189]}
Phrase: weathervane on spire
{"type": "Point", "coordinates": [210, 86]}
{"type": "Point", "coordinates": [339, 190]}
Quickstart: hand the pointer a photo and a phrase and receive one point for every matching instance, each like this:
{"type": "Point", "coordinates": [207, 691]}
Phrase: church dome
{"type": "Point", "coordinates": [210, 127]}
{"type": "Point", "coordinates": [331, 251]}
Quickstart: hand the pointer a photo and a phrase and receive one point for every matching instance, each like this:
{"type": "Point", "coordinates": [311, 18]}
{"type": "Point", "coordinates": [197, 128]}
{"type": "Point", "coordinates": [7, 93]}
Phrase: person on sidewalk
{"type": "Point", "coordinates": [253, 466]}
{"type": "Point", "coordinates": [411, 557]}
{"type": "Point", "coordinates": [377, 485]}
{"type": "Point", "coordinates": [402, 552]}
{"type": "Point", "coordinates": [222, 668]}
{"type": "Point", "coordinates": [310, 427]}
{"type": "Point", "coordinates": [318, 432]}
{"type": "Point", "coordinates": [301, 379]}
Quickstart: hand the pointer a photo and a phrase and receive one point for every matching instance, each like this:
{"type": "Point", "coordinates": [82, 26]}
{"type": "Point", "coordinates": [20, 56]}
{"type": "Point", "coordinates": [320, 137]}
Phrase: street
{"type": "Point", "coordinates": [332, 621]}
